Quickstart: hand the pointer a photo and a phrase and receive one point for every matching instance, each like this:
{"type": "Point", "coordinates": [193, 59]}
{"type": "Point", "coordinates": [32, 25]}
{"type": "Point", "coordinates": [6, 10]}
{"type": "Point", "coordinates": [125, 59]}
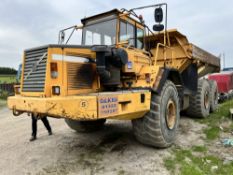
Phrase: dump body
{"type": "Point", "coordinates": [207, 62]}
{"type": "Point", "coordinates": [180, 53]}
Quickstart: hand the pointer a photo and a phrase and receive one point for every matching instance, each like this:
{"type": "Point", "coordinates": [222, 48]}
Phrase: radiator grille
{"type": "Point", "coordinates": [80, 75]}
{"type": "Point", "coordinates": [34, 70]}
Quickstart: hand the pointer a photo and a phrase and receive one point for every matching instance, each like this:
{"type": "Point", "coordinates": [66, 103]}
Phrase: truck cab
{"type": "Point", "coordinates": [123, 29]}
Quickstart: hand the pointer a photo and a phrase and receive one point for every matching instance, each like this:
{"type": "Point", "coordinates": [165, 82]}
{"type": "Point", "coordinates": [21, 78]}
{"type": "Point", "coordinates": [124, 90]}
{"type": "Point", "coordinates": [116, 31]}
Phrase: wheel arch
{"type": "Point", "coordinates": [188, 79]}
{"type": "Point", "coordinates": [164, 75]}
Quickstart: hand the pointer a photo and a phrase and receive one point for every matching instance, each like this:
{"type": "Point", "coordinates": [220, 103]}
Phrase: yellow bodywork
{"type": "Point", "coordinates": [58, 55]}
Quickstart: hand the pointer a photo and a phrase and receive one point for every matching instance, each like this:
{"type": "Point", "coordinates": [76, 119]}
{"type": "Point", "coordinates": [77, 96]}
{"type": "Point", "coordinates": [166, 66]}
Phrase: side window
{"type": "Point", "coordinates": [123, 31]}
{"type": "Point", "coordinates": [140, 34]}
{"type": "Point", "coordinates": [127, 33]}
{"type": "Point", "coordinates": [131, 34]}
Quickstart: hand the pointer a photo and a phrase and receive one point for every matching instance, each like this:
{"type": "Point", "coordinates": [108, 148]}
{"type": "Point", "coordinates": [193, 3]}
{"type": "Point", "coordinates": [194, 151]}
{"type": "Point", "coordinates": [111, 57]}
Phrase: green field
{"type": "Point", "coordinates": [7, 79]}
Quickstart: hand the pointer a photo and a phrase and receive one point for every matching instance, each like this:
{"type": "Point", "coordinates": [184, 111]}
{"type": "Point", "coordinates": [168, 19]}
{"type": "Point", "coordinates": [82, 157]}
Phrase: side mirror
{"type": "Point", "coordinates": [158, 19]}
{"type": "Point", "coordinates": [158, 27]}
{"type": "Point", "coordinates": [158, 15]}
{"type": "Point", "coordinates": [62, 36]}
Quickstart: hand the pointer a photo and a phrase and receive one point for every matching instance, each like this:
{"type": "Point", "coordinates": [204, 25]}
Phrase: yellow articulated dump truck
{"type": "Point", "coordinates": [122, 70]}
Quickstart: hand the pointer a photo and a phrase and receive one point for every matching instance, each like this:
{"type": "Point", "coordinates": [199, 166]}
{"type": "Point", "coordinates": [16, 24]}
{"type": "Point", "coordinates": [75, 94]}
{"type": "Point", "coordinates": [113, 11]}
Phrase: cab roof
{"type": "Point", "coordinates": [116, 12]}
{"type": "Point", "coordinates": [112, 12]}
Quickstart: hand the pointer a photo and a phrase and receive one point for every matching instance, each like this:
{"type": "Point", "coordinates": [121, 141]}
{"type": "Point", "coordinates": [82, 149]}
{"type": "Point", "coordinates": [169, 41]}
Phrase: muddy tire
{"type": "Point", "coordinates": [213, 95]}
{"type": "Point", "coordinates": [158, 127]}
{"type": "Point", "coordinates": [199, 104]}
{"type": "Point", "coordinates": [85, 126]}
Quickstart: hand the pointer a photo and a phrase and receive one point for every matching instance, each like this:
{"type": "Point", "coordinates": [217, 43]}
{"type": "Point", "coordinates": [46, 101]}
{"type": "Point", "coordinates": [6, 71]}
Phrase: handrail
{"type": "Point", "coordinates": [157, 52]}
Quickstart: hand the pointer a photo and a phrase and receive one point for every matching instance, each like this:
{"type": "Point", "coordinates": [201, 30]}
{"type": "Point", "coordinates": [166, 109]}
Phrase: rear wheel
{"type": "Point", "coordinates": [213, 95]}
{"type": "Point", "coordinates": [159, 126]}
{"type": "Point", "coordinates": [85, 126]}
{"type": "Point", "coordinates": [199, 104]}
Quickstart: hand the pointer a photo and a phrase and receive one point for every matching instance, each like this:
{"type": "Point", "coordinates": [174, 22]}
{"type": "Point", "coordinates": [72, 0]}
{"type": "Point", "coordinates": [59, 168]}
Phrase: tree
{"type": "Point", "coordinates": [8, 71]}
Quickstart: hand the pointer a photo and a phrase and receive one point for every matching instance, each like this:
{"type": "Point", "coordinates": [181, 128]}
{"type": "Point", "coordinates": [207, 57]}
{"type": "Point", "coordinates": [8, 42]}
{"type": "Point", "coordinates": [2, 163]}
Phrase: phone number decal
{"type": "Point", "coordinates": [108, 106]}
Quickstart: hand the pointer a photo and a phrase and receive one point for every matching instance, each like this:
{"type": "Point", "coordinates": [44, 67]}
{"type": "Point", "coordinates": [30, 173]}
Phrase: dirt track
{"type": "Point", "coordinates": [113, 150]}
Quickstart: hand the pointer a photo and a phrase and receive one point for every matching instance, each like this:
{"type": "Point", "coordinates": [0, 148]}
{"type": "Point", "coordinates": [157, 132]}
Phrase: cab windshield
{"type": "Point", "coordinates": [101, 33]}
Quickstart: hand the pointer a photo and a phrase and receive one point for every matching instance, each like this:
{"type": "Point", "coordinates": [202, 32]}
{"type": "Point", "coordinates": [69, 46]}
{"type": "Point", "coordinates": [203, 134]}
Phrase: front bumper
{"type": "Point", "coordinates": [61, 107]}
{"type": "Point", "coordinates": [121, 105]}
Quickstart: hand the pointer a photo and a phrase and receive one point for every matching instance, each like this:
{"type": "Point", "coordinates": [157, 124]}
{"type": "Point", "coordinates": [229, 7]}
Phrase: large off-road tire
{"type": "Point", "coordinates": [85, 126]}
{"type": "Point", "coordinates": [199, 104]}
{"type": "Point", "coordinates": [159, 126]}
{"type": "Point", "coordinates": [213, 95]}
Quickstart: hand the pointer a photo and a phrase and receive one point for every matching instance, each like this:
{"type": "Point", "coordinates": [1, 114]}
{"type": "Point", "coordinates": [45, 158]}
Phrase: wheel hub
{"type": "Point", "coordinates": [171, 114]}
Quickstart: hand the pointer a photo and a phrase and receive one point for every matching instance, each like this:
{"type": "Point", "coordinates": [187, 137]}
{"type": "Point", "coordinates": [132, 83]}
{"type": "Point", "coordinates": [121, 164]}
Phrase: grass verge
{"type": "Point", "coordinates": [196, 161]}
{"type": "Point", "coordinates": [214, 120]}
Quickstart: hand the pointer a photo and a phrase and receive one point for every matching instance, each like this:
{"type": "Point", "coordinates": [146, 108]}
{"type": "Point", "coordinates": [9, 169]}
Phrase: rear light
{"type": "Point", "coordinates": [56, 90]}
{"type": "Point", "coordinates": [53, 68]}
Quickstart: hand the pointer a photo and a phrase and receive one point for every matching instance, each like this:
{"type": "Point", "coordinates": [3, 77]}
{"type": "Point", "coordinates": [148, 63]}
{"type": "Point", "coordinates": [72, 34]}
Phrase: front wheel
{"type": "Point", "coordinates": [159, 126]}
{"type": "Point", "coordinates": [85, 126]}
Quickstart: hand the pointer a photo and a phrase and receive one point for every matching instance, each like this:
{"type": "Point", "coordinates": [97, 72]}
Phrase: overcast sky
{"type": "Point", "coordinates": [30, 23]}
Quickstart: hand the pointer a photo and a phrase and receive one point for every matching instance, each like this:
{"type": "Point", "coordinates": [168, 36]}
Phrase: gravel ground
{"type": "Point", "coordinates": [112, 150]}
